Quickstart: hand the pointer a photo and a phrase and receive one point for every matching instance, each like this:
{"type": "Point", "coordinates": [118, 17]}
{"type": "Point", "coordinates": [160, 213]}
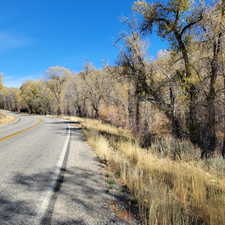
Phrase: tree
{"type": "Point", "coordinates": [223, 69]}
{"type": "Point", "coordinates": [1, 81]}
{"type": "Point", "coordinates": [213, 25]}
{"type": "Point", "coordinates": [147, 83]}
{"type": "Point", "coordinates": [36, 97]}
{"type": "Point", "coordinates": [10, 99]}
{"type": "Point", "coordinates": [57, 77]}
{"type": "Point", "coordinates": [131, 67]}
{"type": "Point", "coordinates": [94, 86]}
{"type": "Point", "coordinates": [174, 20]}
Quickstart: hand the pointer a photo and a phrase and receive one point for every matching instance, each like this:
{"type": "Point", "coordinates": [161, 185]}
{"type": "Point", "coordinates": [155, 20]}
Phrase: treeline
{"type": "Point", "coordinates": [181, 93]}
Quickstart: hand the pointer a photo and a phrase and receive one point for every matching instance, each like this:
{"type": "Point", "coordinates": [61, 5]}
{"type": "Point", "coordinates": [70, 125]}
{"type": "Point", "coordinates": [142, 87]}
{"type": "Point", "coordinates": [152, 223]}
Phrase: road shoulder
{"type": "Point", "coordinates": [84, 197]}
{"type": "Point", "coordinates": [6, 119]}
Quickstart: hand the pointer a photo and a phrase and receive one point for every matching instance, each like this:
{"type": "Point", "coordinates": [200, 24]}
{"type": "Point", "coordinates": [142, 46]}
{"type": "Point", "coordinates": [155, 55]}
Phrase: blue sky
{"type": "Point", "coordinates": [37, 34]}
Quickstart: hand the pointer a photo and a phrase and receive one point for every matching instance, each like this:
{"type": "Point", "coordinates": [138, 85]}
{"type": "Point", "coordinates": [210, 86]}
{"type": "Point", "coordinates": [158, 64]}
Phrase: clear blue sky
{"type": "Point", "coordinates": [36, 34]}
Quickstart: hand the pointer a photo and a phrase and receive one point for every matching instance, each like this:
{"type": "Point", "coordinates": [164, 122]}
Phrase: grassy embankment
{"type": "Point", "coordinates": [168, 192]}
{"type": "Point", "coordinates": [6, 119]}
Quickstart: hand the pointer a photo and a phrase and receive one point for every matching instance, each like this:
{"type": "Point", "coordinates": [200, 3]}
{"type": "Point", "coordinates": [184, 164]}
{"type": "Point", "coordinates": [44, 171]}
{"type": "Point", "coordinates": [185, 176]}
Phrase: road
{"type": "Point", "coordinates": [30, 150]}
{"type": "Point", "coordinates": [33, 151]}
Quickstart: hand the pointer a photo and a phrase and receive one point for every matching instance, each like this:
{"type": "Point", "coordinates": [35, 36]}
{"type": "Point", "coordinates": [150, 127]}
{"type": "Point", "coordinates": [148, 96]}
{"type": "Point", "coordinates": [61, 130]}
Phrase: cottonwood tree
{"type": "Point", "coordinates": [1, 81]}
{"type": "Point", "coordinates": [80, 98]}
{"type": "Point", "coordinates": [167, 93]}
{"type": "Point", "coordinates": [70, 96]}
{"type": "Point", "coordinates": [131, 68]}
{"type": "Point", "coordinates": [57, 77]}
{"type": "Point", "coordinates": [173, 20]}
{"type": "Point", "coordinates": [10, 99]}
{"type": "Point", "coordinates": [36, 97]}
{"type": "Point", "coordinates": [223, 68]}
{"type": "Point", "coordinates": [213, 25]}
{"type": "Point", "coordinates": [146, 83]}
{"type": "Point", "coordinates": [95, 88]}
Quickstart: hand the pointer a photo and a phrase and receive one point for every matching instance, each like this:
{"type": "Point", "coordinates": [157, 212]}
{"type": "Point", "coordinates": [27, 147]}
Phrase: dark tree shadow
{"type": "Point", "coordinates": [74, 132]}
{"type": "Point", "coordinates": [83, 188]}
{"type": "Point", "coordinates": [15, 211]}
{"type": "Point", "coordinates": [70, 222]}
{"type": "Point", "coordinates": [78, 180]}
{"type": "Point", "coordinates": [64, 122]}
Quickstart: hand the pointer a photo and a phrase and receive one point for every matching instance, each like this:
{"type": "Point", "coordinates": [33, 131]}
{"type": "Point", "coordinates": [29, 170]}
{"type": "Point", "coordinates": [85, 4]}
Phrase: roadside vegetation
{"type": "Point", "coordinates": [159, 123]}
{"type": "Point", "coordinates": [167, 191]}
{"type": "Point", "coordinates": [6, 119]}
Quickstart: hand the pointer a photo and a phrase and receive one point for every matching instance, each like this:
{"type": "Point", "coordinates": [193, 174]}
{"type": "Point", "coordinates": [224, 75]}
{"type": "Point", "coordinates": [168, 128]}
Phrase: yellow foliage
{"type": "Point", "coordinates": [194, 79]}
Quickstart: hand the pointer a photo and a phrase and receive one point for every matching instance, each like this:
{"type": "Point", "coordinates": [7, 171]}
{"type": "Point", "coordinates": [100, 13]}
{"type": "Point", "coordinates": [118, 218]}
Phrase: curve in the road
{"type": "Point", "coordinates": [20, 131]}
{"type": "Point", "coordinates": [30, 163]}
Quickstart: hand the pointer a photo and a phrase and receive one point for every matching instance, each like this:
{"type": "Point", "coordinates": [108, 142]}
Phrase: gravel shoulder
{"type": "Point", "coordinates": [84, 197]}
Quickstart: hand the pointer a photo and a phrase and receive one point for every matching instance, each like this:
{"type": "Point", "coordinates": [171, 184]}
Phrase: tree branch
{"type": "Point", "coordinates": [191, 24]}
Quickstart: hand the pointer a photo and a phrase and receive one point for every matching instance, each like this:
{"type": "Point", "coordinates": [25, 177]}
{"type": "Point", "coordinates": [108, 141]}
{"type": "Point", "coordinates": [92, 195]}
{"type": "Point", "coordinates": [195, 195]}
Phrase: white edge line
{"type": "Point", "coordinates": [49, 193]}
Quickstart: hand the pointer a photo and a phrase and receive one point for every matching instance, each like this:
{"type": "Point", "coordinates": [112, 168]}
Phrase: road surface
{"type": "Point", "coordinates": [34, 152]}
{"type": "Point", "coordinates": [30, 151]}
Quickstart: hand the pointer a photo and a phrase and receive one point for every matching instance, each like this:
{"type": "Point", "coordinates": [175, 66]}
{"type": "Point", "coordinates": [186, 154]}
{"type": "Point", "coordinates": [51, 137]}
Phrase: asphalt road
{"type": "Point", "coordinates": [30, 149]}
{"type": "Point", "coordinates": [34, 151]}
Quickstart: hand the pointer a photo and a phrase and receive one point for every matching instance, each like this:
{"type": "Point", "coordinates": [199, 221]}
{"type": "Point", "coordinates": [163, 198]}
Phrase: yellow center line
{"type": "Point", "coordinates": [21, 131]}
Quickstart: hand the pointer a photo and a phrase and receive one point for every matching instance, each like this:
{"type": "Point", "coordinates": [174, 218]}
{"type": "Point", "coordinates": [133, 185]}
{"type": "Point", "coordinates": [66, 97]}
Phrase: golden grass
{"type": "Point", "coordinates": [168, 192]}
{"type": "Point", "coordinates": [6, 119]}
{"type": "Point", "coordinates": [98, 125]}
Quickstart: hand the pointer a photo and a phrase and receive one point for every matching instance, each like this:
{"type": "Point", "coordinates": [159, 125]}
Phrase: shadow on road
{"type": "Point", "coordinates": [64, 122]}
{"type": "Point", "coordinates": [84, 193]}
{"type": "Point", "coordinates": [75, 132]}
{"type": "Point", "coordinates": [70, 222]}
{"type": "Point", "coordinates": [81, 190]}
{"type": "Point", "coordinates": [14, 211]}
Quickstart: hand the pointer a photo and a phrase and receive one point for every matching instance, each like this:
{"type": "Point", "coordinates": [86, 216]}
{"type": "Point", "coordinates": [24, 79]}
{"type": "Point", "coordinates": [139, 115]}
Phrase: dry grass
{"type": "Point", "coordinates": [169, 192]}
{"type": "Point", "coordinates": [6, 119]}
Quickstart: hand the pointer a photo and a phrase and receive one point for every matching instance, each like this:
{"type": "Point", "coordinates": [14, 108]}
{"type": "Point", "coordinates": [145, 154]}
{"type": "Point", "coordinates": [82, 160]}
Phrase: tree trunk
{"type": "Point", "coordinates": [223, 149]}
{"type": "Point", "coordinates": [210, 135]}
{"type": "Point", "coordinates": [169, 111]}
{"type": "Point", "coordinates": [133, 109]}
{"type": "Point", "coordinates": [59, 112]}
{"type": "Point", "coordinates": [96, 111]}
{"type": "Point", "coordinates": [192, 121]}
{"type": "Point", "coordinates": [176, 127]}
{"type": "Point", "coordinates": [211, 123]}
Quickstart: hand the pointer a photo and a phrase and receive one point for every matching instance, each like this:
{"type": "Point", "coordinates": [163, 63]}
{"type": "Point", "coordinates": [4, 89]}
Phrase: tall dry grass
{"type": "Point", "coordinates": [169, 192]}
{"type": "Point", "coordinates": [5, 119]}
